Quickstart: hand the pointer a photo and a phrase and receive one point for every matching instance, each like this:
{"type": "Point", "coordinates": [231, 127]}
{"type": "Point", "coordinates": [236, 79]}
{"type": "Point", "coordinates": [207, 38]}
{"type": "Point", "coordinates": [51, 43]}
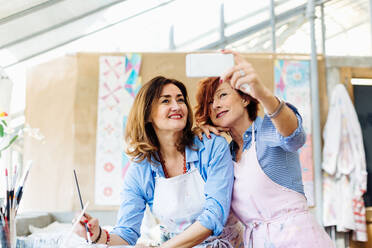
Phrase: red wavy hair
{"type": "Point", "coordinates": [204, 95]}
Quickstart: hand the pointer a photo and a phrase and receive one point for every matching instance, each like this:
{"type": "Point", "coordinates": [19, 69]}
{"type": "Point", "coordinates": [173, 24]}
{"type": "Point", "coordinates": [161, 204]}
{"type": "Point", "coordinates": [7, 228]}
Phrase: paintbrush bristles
{"type": "Point", "coordinates": [8, 210]}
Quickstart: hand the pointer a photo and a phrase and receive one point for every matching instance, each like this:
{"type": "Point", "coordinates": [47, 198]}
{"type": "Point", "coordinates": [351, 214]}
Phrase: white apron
{"type": "Point", "coordinates": [179, 200]}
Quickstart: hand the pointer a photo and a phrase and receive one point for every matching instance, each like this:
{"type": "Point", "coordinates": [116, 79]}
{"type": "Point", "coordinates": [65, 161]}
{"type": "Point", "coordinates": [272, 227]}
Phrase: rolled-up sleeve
{"type": "Point", "coordinates": [219, 184]}
{"type": "Point", "coordinates": [290, 143]}
{"type": "Point", "coordinates": [132, 207]}
{"type": "Point", "coordinates": [297, 139]}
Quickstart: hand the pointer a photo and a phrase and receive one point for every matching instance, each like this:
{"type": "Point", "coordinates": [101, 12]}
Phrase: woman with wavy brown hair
{"type": "Point", "coordinates": [186, 182]}
{"type": "Point", "coordinates": [268, 195]}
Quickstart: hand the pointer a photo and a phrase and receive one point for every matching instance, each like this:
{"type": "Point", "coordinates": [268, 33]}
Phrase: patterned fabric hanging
{"type": "Point", "coordinates": [119, 83]}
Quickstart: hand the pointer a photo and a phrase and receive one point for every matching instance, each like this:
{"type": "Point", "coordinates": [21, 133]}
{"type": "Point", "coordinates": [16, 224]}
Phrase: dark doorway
{"type": "Point", "coordinates": [363, 105]}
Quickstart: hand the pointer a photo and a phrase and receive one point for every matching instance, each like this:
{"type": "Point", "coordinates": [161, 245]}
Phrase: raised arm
{"type": "Point", "coordinates": [243, 77]}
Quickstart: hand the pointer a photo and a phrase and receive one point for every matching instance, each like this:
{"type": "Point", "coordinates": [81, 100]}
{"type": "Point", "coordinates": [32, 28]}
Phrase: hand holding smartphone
{"type": "Point", "coordinates": [211, 65]}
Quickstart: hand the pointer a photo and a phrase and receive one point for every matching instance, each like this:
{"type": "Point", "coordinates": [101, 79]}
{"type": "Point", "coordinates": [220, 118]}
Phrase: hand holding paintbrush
{"type": "Point", "coordinates": [75, 223]}
{"type": "Point", "coordinates": [82, 207]}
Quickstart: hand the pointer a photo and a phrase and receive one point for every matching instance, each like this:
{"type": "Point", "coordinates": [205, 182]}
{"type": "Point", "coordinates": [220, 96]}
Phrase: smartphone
{"type": "Point", "coordinates": [208, 64]}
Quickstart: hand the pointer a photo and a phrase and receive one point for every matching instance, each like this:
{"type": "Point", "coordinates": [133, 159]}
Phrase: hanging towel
{"type": "Point", "coordinates": [344, 167]}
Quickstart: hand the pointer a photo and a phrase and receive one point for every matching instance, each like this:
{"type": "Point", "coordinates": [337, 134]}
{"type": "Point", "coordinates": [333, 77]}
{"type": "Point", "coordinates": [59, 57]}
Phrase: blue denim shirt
{"type": "Point", "coordinates": [277, 155]}
{"type": "Point", "coordinates": [213, 160]}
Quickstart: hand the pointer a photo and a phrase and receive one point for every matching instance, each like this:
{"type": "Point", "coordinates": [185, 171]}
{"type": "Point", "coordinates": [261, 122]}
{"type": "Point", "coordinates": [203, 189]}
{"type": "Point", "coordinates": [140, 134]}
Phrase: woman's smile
{"type": "Point", "coordinates": [221, 114]}
{"type": "Point", "coordinates": [175, 116]}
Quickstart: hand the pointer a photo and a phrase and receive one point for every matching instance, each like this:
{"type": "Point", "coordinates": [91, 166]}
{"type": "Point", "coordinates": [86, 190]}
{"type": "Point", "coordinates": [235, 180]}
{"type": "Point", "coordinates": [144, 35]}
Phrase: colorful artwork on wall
{"type": "Point", "coordinates": [119, 83]}
{"type": "Point", "coordinates": [292, 83]}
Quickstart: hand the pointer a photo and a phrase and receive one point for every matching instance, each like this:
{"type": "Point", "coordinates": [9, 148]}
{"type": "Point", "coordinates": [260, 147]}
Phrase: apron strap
{"type": "Point", "coordinates": [253, 135]}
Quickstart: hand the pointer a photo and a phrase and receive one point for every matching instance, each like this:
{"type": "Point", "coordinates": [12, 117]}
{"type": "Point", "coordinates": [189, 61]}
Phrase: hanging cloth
{"type": "Point", "coordinates": [344, 167]}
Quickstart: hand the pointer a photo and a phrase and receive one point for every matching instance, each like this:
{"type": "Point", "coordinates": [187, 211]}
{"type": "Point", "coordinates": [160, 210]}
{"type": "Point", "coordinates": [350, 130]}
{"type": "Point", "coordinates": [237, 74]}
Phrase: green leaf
{"type": "Point", "coordinates": [1, 131]}
{"type": "Point", "coordinates": [4, 122]}
{"type": "Point", "coordinates": [10, 143]}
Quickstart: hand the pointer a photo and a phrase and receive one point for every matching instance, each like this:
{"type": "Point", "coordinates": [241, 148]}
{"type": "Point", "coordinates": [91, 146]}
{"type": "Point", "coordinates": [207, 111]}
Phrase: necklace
{"type": "Point", "coordinates": [162, 162]}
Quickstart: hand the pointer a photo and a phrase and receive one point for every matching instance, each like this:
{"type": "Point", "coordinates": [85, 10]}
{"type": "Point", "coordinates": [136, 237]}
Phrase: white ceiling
{"type": "Point", "coordinates": [33, 27]}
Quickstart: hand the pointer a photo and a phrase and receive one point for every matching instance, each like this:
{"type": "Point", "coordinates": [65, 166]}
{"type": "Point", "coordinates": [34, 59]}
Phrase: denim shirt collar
{"type": "Point", "coordinates": [247, 137]}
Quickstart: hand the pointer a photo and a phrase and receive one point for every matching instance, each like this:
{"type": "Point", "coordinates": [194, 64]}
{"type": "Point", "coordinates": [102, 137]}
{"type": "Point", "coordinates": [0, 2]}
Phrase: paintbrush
{"type": "Point", "coordinates": [82, 207]}
{"type": "Point", "coordinates": [19, 192]}
{"type": "Point", "coordinates": [12, 187]}
{"type": "Point", "coordinates": [7, 194]}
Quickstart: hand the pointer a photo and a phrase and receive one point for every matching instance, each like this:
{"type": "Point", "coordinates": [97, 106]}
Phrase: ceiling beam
{"type": "Point", "coordinates": [46, 30]}
{"type": "Point", "coordinates": [84, 35]}
{"type": "Point", "coordinates": [255, 28]}
{"type": "Point", "coordinates": [28, 11]}
{"type": "Point", "coordinates": [242, 18]}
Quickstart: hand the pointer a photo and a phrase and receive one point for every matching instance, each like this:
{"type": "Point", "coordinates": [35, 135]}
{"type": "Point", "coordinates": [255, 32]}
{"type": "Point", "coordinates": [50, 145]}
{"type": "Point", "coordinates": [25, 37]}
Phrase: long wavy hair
{"type": "Point", "coordinates": [140, 136]}
{"type": "Point", "coordinates": [204, 95]}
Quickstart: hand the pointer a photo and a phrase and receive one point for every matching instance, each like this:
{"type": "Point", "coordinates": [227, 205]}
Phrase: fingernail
{"type": "Point", "coordinates": [91, 234]}
{"type": "Point", "coordinates": [209, 136]}
{"type": "Point", "coordinates": [85, 221]}
{"type": "Point", "coordinates": [221, 80]}
{"type": "Point", "coordinates": [89, 225]}
{"type": "Point", "coordinates": [222, 50]}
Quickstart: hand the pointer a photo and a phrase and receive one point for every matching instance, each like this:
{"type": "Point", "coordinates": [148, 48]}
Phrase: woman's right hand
{"type": "Point", "coordinates": [92, 224]}
{"type": "Point", "coordinates": [244, 77]}
{"type": "Point", "coordinates": [207, 130]}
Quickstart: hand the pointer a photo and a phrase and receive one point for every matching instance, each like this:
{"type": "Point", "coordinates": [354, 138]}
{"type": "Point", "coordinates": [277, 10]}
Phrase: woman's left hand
{"type": "Point", "coordinates": [243, 77]}
{"type": "Point", "coordinates": [206, 129]}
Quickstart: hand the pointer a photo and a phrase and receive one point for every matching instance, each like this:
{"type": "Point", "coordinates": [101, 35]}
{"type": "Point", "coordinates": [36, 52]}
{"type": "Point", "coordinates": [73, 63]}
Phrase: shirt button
{"type": "Point", "coordinates": [246, 135]}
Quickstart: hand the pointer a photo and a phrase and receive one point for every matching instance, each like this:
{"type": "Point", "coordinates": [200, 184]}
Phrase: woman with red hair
{"type": "Point", "coordinates": [268, 195]}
